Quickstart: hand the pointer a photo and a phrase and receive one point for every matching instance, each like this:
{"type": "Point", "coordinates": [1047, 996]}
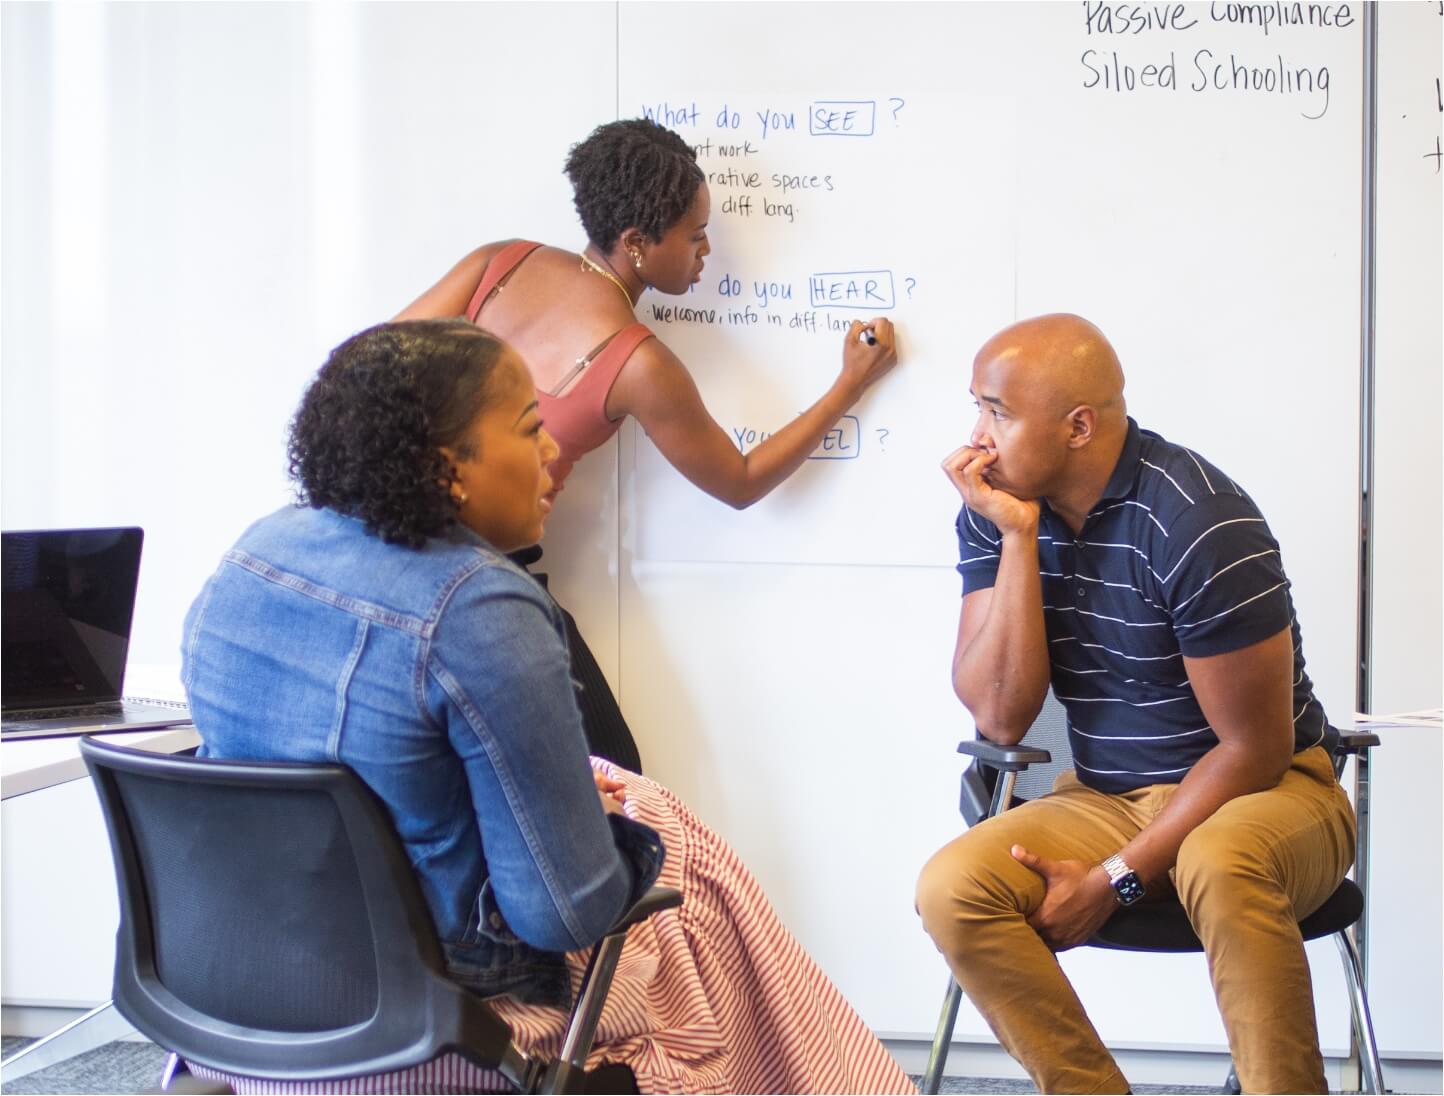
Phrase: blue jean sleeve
{"type": "Point", "coordinates": [562, 870]}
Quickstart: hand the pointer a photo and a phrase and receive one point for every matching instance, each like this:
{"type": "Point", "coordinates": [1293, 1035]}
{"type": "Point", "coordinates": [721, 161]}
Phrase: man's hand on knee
{"type": "Point", "coordinates": [1078, 900]}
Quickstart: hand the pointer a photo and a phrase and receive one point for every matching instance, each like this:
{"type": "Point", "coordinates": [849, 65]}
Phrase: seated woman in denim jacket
{"type": "Point", "coordinates": [381, 626]}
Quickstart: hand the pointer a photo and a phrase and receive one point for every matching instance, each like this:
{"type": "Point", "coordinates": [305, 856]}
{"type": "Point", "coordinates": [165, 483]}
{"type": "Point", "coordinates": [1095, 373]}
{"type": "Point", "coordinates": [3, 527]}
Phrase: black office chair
{"type": "Point", "coordinates": [1001, 777]}
{"type": "Point", "coordinates": [271, 926]}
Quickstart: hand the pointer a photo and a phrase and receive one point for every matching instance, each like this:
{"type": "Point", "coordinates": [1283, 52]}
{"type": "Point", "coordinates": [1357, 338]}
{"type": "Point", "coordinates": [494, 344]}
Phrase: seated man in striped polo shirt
{"type": "Point", "coordinates": [1145, 585]}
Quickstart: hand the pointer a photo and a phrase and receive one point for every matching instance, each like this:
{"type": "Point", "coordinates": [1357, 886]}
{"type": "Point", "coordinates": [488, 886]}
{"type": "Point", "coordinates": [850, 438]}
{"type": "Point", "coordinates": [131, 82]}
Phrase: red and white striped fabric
{"type": "Point", "coordinates": [713, 997]}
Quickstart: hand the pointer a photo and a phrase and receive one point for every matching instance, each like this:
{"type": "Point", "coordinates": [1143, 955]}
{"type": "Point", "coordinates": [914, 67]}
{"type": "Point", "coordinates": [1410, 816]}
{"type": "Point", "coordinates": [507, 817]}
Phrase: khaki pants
{"type": "Point", "coordinates": [1245, 876]}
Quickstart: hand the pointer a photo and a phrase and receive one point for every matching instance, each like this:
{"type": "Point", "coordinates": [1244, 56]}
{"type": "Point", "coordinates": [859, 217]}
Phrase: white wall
{"type": "Point", "coordinates": [201, 200]}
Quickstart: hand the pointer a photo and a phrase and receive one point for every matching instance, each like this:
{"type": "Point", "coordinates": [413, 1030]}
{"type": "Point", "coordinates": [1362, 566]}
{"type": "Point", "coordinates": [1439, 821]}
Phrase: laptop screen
{"type": "Point", "coordinates": [68, 600]}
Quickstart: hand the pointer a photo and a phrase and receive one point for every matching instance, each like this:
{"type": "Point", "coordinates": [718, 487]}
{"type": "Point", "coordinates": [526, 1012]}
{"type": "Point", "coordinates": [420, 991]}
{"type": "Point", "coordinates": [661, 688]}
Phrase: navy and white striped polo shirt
{"type": "Point", "coordinates": [1173, 560]}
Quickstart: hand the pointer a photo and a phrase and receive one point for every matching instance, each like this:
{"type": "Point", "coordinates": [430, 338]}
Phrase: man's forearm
{"type": "Point", "coordinates": [1226, 772]}
{"type": "Point", "coordinates": [1247, 696]}
{"type": "Point", "coordinates": [1001, 672]}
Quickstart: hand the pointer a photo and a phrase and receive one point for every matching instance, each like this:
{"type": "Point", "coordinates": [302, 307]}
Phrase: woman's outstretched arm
{"type": "Point", "coordinates": [655, 387]}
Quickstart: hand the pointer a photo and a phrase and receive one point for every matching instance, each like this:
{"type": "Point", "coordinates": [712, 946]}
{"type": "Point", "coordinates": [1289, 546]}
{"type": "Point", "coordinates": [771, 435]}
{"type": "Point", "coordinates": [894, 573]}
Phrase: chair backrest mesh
{"type": "Point", "coordinates": [255, 903]}
{"type": "Point", "coordinates": [1048, 732]}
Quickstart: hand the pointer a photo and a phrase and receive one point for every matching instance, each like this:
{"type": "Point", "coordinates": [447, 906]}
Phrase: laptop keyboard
{"type": "Point", "coordinates": [88, 711]}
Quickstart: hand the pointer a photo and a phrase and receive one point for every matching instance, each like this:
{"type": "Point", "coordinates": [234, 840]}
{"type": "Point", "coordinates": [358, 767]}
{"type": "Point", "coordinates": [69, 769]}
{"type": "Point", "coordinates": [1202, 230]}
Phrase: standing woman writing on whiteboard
{"type": "Point", "coordinates": [644, 204]}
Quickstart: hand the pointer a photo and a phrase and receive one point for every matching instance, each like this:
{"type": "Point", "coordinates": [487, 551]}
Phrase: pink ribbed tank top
{"type": "Point", "coordinates": [578, 418]}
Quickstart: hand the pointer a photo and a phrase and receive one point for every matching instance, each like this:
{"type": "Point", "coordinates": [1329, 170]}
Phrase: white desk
{"type": "Point", "coordinates": [36, 764]}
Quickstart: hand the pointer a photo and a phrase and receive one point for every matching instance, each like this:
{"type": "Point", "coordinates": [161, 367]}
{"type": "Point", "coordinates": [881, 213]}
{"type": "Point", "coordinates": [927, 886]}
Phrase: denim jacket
{"type": "Point", "coordinates": [441, 676]}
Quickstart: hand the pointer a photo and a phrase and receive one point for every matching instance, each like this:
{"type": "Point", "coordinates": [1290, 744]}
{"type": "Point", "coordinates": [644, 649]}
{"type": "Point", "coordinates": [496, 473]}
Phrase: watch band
{"type": "Point", "coordinates": [1127, 887]}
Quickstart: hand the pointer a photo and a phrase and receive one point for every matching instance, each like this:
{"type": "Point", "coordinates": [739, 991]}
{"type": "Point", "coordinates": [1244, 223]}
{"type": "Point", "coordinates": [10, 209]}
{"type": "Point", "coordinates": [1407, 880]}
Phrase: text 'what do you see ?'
{"type": "Point", "coordinates": [822, 118]}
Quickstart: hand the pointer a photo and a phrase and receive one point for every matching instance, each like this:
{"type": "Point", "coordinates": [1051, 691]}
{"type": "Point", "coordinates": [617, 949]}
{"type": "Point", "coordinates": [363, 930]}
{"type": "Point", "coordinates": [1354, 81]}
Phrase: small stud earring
{"type": "Point", "coordinates": [461, 498]}
{"type": "Point", "coordinates": [636, 260]}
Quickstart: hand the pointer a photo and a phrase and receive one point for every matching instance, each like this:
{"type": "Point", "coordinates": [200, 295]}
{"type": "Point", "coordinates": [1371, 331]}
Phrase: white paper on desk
{"type": "Point", "coordinates": [1425, 717]}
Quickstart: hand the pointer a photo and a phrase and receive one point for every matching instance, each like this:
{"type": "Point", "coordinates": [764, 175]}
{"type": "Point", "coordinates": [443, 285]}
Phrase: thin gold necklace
{"type": "Point", "coordinates": [587, 264]}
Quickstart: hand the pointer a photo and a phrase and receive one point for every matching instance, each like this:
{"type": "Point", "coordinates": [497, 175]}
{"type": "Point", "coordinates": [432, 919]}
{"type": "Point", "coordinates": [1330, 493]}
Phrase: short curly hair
{"type": "Point", "coordinates": [366, 439]}
{"type": "Point", "coordinates": [632, 172]}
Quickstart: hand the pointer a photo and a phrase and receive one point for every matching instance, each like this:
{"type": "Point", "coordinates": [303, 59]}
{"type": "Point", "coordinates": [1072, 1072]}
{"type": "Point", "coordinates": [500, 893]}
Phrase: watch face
{"type": "Point", "coordinates": [1128, 888]}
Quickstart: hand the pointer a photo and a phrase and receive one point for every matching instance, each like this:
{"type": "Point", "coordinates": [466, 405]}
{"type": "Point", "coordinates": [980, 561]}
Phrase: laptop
{"type": "Point", "coordinates": [68, 599]}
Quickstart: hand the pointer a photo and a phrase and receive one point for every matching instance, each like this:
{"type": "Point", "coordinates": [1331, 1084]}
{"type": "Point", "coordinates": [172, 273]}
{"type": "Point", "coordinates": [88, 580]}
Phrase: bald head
{"type": "Point", "coordinates": [1050, 410]}
{"type": "Point", "coordinates": [1060, 360]}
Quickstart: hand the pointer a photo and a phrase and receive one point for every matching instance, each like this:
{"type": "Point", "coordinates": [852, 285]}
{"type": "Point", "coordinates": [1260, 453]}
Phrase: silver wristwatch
{"type": "Point", "coordinates": [1127, 887]}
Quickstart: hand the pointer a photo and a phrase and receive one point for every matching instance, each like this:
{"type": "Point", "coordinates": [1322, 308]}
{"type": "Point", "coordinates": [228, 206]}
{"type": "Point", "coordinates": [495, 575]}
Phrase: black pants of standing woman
{"type": "Point", "coordinates": [606, 728]}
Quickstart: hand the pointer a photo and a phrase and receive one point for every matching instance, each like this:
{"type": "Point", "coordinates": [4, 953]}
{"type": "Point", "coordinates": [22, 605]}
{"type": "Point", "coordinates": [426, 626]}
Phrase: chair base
{"type": "Point", "coordinates": [938, 1056]}
{"type": "Point", "coordinates": [96, 1028]}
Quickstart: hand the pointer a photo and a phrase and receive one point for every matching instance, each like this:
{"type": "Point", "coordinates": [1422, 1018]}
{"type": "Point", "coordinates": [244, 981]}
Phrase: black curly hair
{"type": "Point", "coordinates": [366, 439]}
{"type": "Point", "coordinates": [632, 172]}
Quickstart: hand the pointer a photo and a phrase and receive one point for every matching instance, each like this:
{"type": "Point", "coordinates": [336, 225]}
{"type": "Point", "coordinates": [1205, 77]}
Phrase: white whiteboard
{"type": "Point", "coordinates": [1215, 236]}
{"type": "Point", "coordinates": [1213, 233]}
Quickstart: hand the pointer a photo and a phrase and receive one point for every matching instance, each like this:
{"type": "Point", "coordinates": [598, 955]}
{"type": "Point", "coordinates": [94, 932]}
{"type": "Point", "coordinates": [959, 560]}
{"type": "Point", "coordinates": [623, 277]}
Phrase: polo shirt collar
{"type": "Point", "coordinates": [1125, 472]}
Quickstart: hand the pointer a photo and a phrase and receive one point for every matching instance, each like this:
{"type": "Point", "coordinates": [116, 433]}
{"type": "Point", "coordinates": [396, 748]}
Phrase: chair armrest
{"type": "Point", "coordinates": [654, 901]}
{"type": "Point", "coordinates": [1353, 742]}
{"type": "Point", "coordinates": [1008, 759]}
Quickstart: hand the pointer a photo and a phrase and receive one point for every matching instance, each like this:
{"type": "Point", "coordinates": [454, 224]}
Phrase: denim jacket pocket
{"type": "Point", "coordinates": [487, 920]}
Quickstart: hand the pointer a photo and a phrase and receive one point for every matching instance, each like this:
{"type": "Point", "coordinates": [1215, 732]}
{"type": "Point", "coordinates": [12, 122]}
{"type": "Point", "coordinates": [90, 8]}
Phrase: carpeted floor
{"type": "Point", "coordinates": [119, 1067]}
{"type": "Point", "coordinates": [124, 1067]}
